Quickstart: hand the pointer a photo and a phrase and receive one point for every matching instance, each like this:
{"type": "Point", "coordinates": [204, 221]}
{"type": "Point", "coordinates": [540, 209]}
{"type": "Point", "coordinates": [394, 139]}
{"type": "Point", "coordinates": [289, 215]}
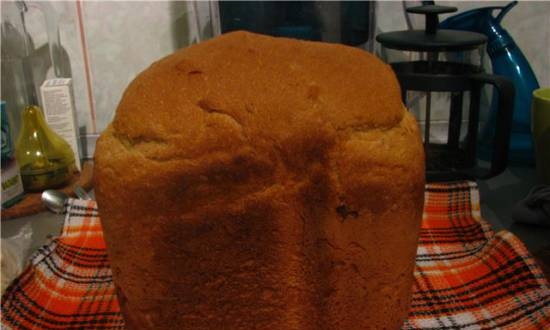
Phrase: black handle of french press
{"type": "Point", "coordinates": [431, 12]}
{"type": "Point", "coordinates": [503, 124]}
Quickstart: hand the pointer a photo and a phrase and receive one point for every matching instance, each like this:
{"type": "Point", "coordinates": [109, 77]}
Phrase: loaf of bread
{"type": "Point", "coordinates": [250, 182]}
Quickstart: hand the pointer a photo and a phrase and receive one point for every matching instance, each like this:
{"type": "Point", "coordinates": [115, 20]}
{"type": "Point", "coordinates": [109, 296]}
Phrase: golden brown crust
{"type": "Point", "coordinates": [251, 182]}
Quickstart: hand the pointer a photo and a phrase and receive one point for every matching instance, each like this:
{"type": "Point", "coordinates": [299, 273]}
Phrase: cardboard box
{"type": "Point", "coordinates": [60, 112]}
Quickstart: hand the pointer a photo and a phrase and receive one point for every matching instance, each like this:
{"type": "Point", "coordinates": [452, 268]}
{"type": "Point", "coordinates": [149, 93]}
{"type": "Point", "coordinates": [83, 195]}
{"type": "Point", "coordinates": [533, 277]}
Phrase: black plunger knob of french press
{"type": "Point", "coordinates": [431, 12]}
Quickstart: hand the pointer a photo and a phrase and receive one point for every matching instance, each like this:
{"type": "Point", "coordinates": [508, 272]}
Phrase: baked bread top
{"type": "Point", "coordinates": [267, 170]}
{"type": "Point", "coordinates": [244, 113]}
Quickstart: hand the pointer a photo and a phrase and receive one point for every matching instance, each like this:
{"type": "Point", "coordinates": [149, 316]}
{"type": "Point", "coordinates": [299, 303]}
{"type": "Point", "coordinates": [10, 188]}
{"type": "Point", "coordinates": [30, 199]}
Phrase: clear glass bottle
{"type": "Point", "coordinates": [45, 159]}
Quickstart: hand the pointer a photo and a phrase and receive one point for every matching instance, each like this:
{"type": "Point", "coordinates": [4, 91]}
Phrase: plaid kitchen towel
{"type": "Point", "coordinates": [466, 277]}
{"type": "Point", "coordinates": [68, 284]}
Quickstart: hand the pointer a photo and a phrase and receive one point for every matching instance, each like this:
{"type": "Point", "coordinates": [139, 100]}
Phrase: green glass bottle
{"type": "Point", "coordinates": [45, 159]}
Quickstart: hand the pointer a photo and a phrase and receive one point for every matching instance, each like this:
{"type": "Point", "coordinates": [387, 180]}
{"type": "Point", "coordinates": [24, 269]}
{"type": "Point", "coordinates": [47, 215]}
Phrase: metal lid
{"type": "Point", "coordinates": [431, 39]}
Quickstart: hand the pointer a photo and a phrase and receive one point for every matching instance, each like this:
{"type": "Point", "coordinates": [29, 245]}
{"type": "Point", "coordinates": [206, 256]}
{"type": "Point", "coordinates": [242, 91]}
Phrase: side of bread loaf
{"type": "Point", "coordinates": [251, 182]}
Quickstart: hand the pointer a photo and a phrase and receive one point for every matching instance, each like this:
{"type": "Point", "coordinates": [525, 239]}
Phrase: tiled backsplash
{"type": "Point", "coordinates": [108, 43]}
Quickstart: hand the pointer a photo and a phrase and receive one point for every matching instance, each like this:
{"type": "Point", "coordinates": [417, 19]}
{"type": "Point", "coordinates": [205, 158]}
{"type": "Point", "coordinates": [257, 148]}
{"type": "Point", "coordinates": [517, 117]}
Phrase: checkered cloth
{"type": "Point", "coordinates": [466, 277]}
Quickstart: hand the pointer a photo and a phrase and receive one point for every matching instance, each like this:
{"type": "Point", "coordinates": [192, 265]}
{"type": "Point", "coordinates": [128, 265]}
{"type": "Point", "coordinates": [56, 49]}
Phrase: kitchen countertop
{"type": "Point", "coordinates": [498, 196]}
{"type": "Point", "coordinates": [44, 225]}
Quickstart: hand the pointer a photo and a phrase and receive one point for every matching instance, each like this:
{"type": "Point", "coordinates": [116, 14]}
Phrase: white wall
{"type": "Point", "coordinates": [108, 43]}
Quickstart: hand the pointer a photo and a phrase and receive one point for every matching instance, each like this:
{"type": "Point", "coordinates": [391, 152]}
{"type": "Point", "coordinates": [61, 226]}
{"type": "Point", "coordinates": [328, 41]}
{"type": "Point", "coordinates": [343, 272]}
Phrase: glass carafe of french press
{"type": "Point", "coordinates": [441, 82]}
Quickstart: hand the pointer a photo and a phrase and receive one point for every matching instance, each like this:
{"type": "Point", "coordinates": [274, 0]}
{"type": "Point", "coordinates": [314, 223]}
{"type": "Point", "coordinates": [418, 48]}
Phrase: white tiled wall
{"type": "Point", "coordinates": [108, 43]}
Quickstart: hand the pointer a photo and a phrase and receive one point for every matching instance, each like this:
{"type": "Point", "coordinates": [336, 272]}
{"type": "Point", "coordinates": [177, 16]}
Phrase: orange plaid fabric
{"type": "Point", "coordinates": [68, 284]}
{"type": "Point", "coordinates": [466, 277]}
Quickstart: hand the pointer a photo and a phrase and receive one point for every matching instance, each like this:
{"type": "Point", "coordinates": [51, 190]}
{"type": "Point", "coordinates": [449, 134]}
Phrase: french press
{"type": "Point", "coordinates": [445, 67]}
